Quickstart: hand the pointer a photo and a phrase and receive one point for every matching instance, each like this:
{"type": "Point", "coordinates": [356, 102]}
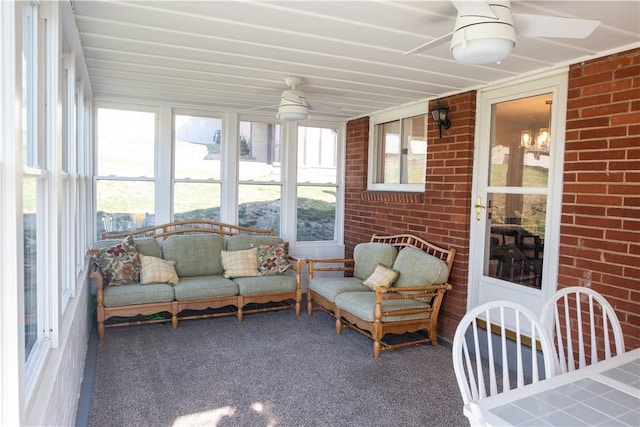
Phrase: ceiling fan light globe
{"type": "Point", "coordinates": [482, 51]}
{"type": "Point", "coordinates": [484, 39]}
{"type": "Point", "coordinates": [292, 113]}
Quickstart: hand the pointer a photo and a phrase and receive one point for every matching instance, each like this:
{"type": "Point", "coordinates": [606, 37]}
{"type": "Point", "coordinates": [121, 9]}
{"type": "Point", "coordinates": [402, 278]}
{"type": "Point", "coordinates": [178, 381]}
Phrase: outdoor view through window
{"type": "Point", "coordinates": [127, 179]}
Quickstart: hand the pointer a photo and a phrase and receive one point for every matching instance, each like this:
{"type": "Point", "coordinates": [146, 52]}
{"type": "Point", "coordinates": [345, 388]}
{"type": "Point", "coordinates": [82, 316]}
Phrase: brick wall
{"type": "Point", "coordinates": [440, 216]}
{"type": "Point", "coordinates": [600, 232]}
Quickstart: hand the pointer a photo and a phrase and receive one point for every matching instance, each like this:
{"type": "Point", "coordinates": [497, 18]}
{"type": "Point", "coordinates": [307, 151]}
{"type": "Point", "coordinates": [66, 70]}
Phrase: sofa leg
{"type": "Point", "coordinates": [297, 308]}
{"type": "Point", "coordinates": [376, 349]}
{"type": "Point", "coordinates": [100, 330]}
{"type": "Point", "coordinates": [174, 321]}
{"type": "Point", "coordinates": [338, 326]}
{"type": "Point", "coordinates": [174, 315]}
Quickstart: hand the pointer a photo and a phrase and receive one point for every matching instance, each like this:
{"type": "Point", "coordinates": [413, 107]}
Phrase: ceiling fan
{"type": "Point", "coordinates": [485, 30]}
{"type": "Point", "coordinates": [294, 105]}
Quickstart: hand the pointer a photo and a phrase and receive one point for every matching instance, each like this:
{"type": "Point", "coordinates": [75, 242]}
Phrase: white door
{"type": "Point", "coordinates": [517, 189]}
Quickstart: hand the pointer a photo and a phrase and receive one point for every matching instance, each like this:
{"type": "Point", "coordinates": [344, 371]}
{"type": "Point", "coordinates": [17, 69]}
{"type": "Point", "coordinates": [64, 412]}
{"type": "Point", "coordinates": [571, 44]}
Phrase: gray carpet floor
{"type": "Point", "coordinates": [273, 369]}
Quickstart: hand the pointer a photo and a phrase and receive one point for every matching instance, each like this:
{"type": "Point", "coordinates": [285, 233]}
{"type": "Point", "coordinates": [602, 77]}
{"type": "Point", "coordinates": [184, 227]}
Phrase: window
{"type": "Point", "coordinates": [259, 175]}
{"type": "Point", "coordinates": [398, 150]}
{"type": "Point", "coordinates": [317, 189]}
{"type": "Point", "coordinates": [197, 177]}
{"type": "Point", "coordinates": [34, 176]}
{"type": "Point", "coordinates": [125, 183]}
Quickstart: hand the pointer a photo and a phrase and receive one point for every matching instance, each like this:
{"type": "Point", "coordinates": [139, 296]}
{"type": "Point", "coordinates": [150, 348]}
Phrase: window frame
{"type": "Point", "coordinates": [405, 112]}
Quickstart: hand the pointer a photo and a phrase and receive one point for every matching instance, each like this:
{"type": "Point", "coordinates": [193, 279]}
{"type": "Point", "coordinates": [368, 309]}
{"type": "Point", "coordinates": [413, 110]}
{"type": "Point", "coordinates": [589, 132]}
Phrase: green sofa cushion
{"type": "Point", "coordinates": [148, 246]}
{"type": "Point", "coordinates": [330, 287]}
{"type": "Point", "coordinates": [204, 287]}
{"type": "Point", "coordinates": [195, 254]}
{"type": "Point", "coordinates": [116, 296]}
{"type": "Point", "coordinates": [368, 255]}
{"type": "Point", "coordinates": [362, 305]}
{"type": "Point", "coordinates": [265, 284]}
{"type": "Point", "coordinates": [241, 242]}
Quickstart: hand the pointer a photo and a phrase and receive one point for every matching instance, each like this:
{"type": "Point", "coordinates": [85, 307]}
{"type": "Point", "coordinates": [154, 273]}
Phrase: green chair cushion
{"type": "Point", "coordinates": [419, 268]}
{"type": "Point", "coordinates": [362, 305]}
{"type": "Point", "coordinates": [368, 255]}
{"type": "Point", "coordinates": [330, 287]}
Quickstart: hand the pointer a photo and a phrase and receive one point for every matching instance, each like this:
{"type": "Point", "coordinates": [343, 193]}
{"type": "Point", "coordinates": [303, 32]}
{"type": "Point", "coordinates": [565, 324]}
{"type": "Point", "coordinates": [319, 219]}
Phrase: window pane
{"type": "Point", "coordinates": [126, 141]}
{"type": "Point", "coordinates": [124, 205]}
{"type": "Point", "coordinates": [316, 213]}
{"type": "Point", "coordinates": [388, 149]}
{"type": "Point", "coordinates": [520, 146]}
{"type": "Point", "coordinates": [197, 147]}
{"type": "Point", "coordinates": [317, 155]}
{"type": "Point", "coordinates": [29, 200]}
{"type": "Point", "coordinates": [260, 152]}
{"type": "Point", "coordinates": [196, 201]}
{"type": "Point", "coordinates": [415, 136]}
{"type": "Point", "coordinates": [259, 206]}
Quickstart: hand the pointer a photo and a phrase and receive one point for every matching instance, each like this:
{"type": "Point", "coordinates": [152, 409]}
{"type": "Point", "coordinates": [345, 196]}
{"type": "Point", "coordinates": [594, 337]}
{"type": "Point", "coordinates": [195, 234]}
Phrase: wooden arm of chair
{"type": "Point", "coordinates": [436, 292]}
{"type": "Point", "coordinates": [95, 273]}
{"type": "Point", "coordinates": [316, 265]}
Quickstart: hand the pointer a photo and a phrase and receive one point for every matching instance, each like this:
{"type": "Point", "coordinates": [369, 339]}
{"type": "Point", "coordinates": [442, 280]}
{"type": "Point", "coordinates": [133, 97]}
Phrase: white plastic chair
{"type": "Point", "coordinates": [488, 364]}
{"type": "Point", "coordinates": [581, 321]}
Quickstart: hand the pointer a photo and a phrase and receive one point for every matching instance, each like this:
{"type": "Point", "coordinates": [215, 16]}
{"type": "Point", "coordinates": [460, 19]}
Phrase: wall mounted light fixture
{"type": "Point", "coordinates": [440, 112]}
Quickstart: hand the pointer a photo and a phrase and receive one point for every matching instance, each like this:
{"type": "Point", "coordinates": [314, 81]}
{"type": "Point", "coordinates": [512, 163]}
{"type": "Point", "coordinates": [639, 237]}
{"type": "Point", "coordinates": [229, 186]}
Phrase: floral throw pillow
{"type": "Point", "coordinates": [120, 263]}
{"type": "Point", "coordinates": [272, 259]}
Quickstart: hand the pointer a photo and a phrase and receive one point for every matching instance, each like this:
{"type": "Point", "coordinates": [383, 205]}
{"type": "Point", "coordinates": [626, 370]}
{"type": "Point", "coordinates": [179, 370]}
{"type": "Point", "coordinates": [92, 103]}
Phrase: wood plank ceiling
{"type": "Point", "coordinates": [233, 55]}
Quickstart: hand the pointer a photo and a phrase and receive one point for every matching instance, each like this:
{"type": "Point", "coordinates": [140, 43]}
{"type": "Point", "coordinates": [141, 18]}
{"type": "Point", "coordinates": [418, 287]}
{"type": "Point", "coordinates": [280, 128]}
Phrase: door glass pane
{"type": "Point", "coordinates": [517, 238]}
{"type": "Point", "coordinates": [520, 143]}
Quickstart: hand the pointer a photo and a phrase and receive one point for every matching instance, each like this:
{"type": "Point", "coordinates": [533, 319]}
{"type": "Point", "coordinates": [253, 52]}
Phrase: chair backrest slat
{"type": "Point", "coordinates": [499, 361]}
{"type": "Point", "coordinates": [577, 310]}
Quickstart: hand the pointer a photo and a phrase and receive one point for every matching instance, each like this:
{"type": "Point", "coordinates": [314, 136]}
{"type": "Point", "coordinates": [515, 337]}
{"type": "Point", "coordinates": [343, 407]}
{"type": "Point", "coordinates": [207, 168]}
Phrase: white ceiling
{"type": "Point", "coordinates": [234, 55]}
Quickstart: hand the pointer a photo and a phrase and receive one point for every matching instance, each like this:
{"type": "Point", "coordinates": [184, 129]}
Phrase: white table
{"type": "Point", "coordinates": [604, 394]}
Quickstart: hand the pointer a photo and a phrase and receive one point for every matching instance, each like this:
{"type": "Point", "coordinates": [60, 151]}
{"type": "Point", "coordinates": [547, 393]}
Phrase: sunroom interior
{"type": "Point", "coordinates": [121, 115]}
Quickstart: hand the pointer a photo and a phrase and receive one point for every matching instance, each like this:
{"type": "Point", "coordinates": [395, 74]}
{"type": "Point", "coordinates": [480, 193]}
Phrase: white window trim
{"type": "Point", "coordinates": [406, 111]}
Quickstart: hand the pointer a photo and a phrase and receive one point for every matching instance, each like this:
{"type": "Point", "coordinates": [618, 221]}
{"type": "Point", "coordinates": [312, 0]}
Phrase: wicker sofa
{"type": "Point", "coordinates": [392, 285]}
{"type": "Point", "coordinates": [188, 270]}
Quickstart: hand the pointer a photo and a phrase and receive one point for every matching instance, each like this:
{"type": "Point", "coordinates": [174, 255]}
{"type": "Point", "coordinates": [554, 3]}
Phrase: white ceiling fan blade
{"type": "Point", "coordinates": [474, 7]}
{"type": "Point", "coordinates": [322, 108]}
{"type": "Point", "coordinates": [553, 26]}
{"type": "Point", "coordinates": [262, 107]}
{"type": "Point", "coordinates": [428, 44]}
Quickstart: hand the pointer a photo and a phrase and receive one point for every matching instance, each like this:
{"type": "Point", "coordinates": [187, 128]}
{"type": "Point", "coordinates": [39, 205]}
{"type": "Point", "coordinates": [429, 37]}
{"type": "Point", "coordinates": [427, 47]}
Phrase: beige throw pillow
{"type": "Point", "coordinates": [240, 263]}
{"type": "Point", "coordinates": [381, 277]}
{"type": "Point", "coordinates": [157, 270]}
